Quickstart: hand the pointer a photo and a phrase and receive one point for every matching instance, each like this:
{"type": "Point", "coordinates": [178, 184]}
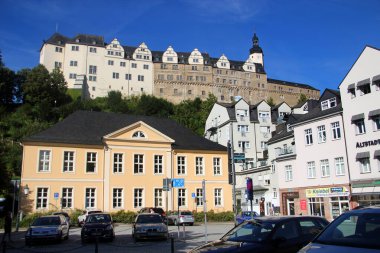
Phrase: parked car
{"type": "Point", "coordinates": [158, 210]}
{"type": "Point", "coordinates": [82, 218]}
{"type": "Point", "coordinates": [268, 234]}
{"type": "Point", "coordinates": [51, 227]}
{"type": "Point", "coordinates": [183, 217]}
{"type": "Point", "coordinates": [67, 216]}
{"type": "Point", "coordinates": [247, 215]}
{"type": "Point", "coordinates": [353, 231]}
{"type": "Point", "coordinates": [98, 225]}
{"type": "Point", "coordinates": [149, 226]}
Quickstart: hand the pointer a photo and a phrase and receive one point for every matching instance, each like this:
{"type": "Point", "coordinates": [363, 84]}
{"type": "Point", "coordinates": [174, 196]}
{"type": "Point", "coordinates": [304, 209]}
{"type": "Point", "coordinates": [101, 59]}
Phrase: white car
{"type": "Point", "coordinates": [82, 218]}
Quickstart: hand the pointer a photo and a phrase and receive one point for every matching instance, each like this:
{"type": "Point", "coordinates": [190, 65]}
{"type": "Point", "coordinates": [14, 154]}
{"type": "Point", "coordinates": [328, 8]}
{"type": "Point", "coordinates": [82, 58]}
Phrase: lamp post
{"type": "Point", "coordinates": [26, 192]}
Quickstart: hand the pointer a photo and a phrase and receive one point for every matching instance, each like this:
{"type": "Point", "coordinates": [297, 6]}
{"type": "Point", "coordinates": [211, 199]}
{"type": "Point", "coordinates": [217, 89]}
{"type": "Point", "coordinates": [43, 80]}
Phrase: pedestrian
{"type": "Point", "coordinates": [7, 226]}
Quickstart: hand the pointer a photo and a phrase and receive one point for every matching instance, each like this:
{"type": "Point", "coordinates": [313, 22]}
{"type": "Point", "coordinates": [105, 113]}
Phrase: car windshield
{"type": "Point", "coordinates": [250, 231]}
{"type": "Point", "coordinates": [353, 229]}
{"type": "Point", "coordinates": [47, 221]}
{"type": "Point", "coordinates": [186, 213]}
{"type": "Point", "coordinates": [149, 219]}
{"type": "Point", "coordinates": [98, 218]}
{"type": "Point", "coordinates": [247, 214]}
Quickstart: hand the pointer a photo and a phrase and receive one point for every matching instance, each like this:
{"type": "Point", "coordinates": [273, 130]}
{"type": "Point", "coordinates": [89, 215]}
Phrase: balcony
{"type": "Point", "coordinates": [285, 151]}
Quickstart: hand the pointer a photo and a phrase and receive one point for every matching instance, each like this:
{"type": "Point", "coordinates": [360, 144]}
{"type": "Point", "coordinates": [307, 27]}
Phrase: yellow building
{"type": "Point", "coordinates": [115, 162]}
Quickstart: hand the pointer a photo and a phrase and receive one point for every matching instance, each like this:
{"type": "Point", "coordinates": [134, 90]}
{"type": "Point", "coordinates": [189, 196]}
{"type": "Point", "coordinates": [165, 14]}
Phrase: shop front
{"type": "Point", "coordinates": [365, 193]}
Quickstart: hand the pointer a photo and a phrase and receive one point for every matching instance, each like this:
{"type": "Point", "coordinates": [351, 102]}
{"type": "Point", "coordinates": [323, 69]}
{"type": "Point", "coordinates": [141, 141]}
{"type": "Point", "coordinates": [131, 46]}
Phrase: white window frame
{"type": "Point", "coordinates": [325, 168]}
{"type": "Point", "coordinates": [67, 200]}
{"type": "Point", "coordinates": [365, 165]}
{"type": "Point", "coordinates": [321, 134]}
{"type": "Point", "coordinates": [140, 164]}
{"type": "Point", "coordinates": [158, 164]}
{"type": "Point", "coordinates": [118, 164]}
{"type": "Point", "coordinates": [44, 160]}
{"type": "Point", "coordinates": [199, 165]}
{"type": "Point", "coordinates": [311, 171]}
{"type": "Point", "coordinates": [42, 198]}
{"type": "Point", "coordinates": [376, 123]}
{"type": "Point", "coordinates": [181, 165]}
{"type": "Point", "coordinates": [218, 197]}
{"type": "Point", "coordinates": [69, 162]}
{"type": "Point", "coordinates": [288, 173]}
{"type": "Point", "coordinates": [309, 136]}
{"type": "Point", "coordinates": [90, 197]}
{"type": "Point", "coordinates": [335, 131]}
{"type": "Point", "coordinates": [339, 166]}
{"type": "Point", "coordinates": [158, 197]}
{"type": "Point", "coordinates": [117, 198]}
{"type": "Point", "coordinates": [217, 165]}
{"type": "Point", "coordinates": [360, 127]}
{"type": "Point", "coordinates": [92, 161]}
{"type": "Point", "coordinates": [182, 197]}
{"type": "Point", "coordinates": [138, 200]}
{"type": "Point", "coordinates": [199, 197]}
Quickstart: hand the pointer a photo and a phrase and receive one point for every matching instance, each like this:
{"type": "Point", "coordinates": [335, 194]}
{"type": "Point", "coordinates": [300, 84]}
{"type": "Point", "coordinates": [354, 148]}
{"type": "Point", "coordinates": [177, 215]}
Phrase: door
{"type": "Point", "coordinates": [290, 204]}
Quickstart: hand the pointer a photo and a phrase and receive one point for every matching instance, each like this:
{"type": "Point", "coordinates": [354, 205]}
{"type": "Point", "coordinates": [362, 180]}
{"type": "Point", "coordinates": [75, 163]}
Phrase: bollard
{"type": "Point", "coordinates": [96, 244]}
{"type": "Point", "coordinates": [172, 244]}
{"type": "Point", "coordinates": [184, 231]}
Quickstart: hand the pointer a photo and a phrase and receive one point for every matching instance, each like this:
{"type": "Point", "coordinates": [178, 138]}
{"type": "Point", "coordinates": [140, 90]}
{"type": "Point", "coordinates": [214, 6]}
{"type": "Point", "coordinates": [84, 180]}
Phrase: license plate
{"type": "Point", "coordinates": [96, 233]}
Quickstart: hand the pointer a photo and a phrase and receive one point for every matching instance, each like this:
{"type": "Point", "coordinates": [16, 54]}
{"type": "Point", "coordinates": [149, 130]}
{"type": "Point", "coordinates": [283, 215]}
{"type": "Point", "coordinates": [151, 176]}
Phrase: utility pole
{"type": "Point", "coordinates": [231, 146]}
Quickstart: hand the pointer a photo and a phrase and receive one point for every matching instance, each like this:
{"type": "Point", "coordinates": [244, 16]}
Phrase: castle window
{"type": "Point", "coordinates": [138, 134]}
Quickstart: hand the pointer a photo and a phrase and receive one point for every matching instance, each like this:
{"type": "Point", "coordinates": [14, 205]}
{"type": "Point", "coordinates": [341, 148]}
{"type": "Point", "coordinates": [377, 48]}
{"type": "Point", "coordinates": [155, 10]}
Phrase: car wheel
{"type": "Point", "coordinates": [191, 224]}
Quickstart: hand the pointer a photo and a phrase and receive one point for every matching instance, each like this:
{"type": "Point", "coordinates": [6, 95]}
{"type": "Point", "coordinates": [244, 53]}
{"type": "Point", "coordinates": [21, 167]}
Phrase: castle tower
{"type": "Point", "coordinates": [256, 53]}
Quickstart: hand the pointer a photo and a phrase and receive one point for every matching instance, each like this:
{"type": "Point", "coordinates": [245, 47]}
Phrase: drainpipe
{"type": "Point", "coordinates": [348, 164]}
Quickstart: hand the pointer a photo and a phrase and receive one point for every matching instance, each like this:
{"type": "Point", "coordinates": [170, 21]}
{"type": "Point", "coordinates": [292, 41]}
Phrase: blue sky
{"type": "Point", "coordinates": [306, 41]}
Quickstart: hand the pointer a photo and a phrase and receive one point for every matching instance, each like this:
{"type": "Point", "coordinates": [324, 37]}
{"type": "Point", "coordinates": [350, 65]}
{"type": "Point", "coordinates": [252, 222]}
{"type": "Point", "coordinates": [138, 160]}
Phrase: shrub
{"type": "Point", "coordinates": [212, 216]}
{"type": "Point", "coordinates": [124, 217]}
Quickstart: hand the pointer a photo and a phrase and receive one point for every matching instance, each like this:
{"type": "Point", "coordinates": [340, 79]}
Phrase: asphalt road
{"type": "Point", "coordinates": [183, 241]}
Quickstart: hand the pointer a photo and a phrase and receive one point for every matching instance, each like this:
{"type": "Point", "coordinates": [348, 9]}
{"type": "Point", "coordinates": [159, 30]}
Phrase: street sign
{"type": "Point", "coordinates": [178, 182]}
{"type": "Point", "coordinates": [239, 157]}
{"type": "Point", "coordinates": [56, 195]}
{"type": "Point", "coordinates": [193, 195]}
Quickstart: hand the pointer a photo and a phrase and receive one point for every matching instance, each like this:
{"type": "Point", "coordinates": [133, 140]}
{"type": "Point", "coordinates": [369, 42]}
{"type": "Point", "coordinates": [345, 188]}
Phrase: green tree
{"type": "Point", "coordinates": [270, 101]}
{"type": "Point", "coordinates": [302, 98]}
{"type": "Point", "coordinates": [152, 106]}
{"type": "Point", "coordinates": [116, 103]}
{"type": "Point", "coordinates": [7, 86]}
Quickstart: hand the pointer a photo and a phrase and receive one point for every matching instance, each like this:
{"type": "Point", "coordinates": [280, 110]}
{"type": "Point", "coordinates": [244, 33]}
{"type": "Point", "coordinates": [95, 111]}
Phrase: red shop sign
{"type": "Point", "coordinates": [303, 204]}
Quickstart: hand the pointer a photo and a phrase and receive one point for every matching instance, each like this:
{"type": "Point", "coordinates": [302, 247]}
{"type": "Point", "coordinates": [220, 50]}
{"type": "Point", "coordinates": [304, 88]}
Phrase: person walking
{"type": "Point", "coordinates": [7, 226]}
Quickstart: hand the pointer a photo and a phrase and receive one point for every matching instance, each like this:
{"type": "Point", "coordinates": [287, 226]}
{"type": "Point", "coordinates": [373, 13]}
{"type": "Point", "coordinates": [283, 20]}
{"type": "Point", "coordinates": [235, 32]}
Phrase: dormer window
{"type": "Point", "coordinates": [114, 46]}
{"type": "Point", "coordinates": [138, 134]}
{"type": "Point", "coordinates": [329, 103]}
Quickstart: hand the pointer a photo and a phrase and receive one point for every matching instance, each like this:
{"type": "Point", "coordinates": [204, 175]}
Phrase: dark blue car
{"type": "Point", "coordinates": [243, 216]}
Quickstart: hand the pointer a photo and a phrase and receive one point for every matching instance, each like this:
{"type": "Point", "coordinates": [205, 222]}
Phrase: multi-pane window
{"type": "Point", "coordinates": [42, 198]}
{"type": "Point", "coordinates": [326, 104]}
{"type": "Point", "coordinates": [325, 168]}
{"type": "Point", "coordinates": [181, 165]}
{"type": "Point", "coordinates": [68, 161]}
{"type": "Point", "coordinates": [58, 64]}
{"type": "Point", "coordinates": [122, 64]}
{"type": "Point", "coordinates": [376, 123]}
{"type": "Point", "coordinates": [90, 198]}
{"type": "Point", "coordinates": [158, 197]}
{"type": "Point", "coordinates": [74, 48]}
{"type": "Point", "coordinates": [67, 198]}
{"type": "Point", "coordinates": [140, 78]}
{"type": "Point", "coordinates": [92, 79]}
{"type": "Point", "coordinates": [243, 128]}
{"type": "Point", "coordinates": [118, 161]}
{"type": "Point", "coordinates": [360, 127]}
{"type": "Point", "coordinates": [335, 128]}
{"type": "Point", "coordinates": [134, 65]}
{"type": "Point", "coordinates": [117, 198]}
{"type": "Point", "coordinates": [199, 166]}
{"type": "Point", "coordinates": [73, 63]}
{"type": "Point", "coordinates": [146, 66]}
{"type": "Point", "coordinates": [138, 198]}
{"type": "Point", "coordinates": [217, 166]}
{"type": "Point", "coordinates": [181, 197]}
{"type": "Point", "coordinates": [128, 76]}
{"type": "Point", "coordinates": [275, 193]}
{"type": "Point", "coordinates": [115, 75]}
{"type": "Point", "coordinates": [321, 134]}
{"type": "Point", "coordinates": [217, 197]}
{"type": "Point", "coordinates": [58, 49]}
{"type": "Point", "coordinates": [110, 62]}
{"type": "Point", "coordinates": [199, 197]}
{"type": "Point", "coordinates": [365, 166]}
{"type": "Point", "coordinates": [44, 160]}
{"type": "Point", "coordinates": [158, 164]}
{"type": "Point", "coordinates": [72, 76]}
{"type": "Point", "coordinates": [339, 166]}
{"type": "Point", "coordinates": [288, 173]}
{"type": "Point", "coordinates": [138, 164]}
{"type": "Point", "coordinates": [91, 162]}
{"type": "Point", "coordinates": [308, 136]}
{"type": "Point", "coordinates": [92, 69]}
{"type": "Point", "coordinates": [244, 145]}
{"type": "Point", "coordinates": [311, 173]}
{"type": "Point", "coordinates": [92, 49]}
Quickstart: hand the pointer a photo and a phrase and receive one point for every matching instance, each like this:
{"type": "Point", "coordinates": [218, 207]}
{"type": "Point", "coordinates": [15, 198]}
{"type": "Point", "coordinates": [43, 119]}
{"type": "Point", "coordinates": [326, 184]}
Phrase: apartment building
{"type": "Point", "coordinates": [360, 90]}
{"type": "Point", "coordinates": [248, 128]}
{"type": "Point", "coordinates": [96, 67]}
{"type": "Point", "coordinates": [113, 162]}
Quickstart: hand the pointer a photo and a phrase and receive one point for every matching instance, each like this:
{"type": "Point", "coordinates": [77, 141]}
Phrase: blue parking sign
{"type": "Point", "coordinates": [56, 195]}
{"type": "Point", "coordinates": [178, 182]}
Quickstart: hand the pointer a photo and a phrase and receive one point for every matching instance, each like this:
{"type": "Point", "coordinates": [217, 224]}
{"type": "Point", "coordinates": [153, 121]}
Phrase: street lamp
{"type": "Point", "coordinates": [26, 190]}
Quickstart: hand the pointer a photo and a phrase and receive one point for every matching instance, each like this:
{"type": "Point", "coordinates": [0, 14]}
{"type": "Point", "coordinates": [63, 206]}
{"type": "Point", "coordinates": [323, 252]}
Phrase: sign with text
{"type": "Point", "coordinates": [303, 204]}
{"type": "Point", "coordinates": [327, 192]}
{"type": "Point", "coordinates": [178, 182]}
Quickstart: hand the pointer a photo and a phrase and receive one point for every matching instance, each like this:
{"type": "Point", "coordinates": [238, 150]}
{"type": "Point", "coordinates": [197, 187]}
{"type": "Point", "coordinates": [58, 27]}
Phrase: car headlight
{"type": "Point", "coordinates": [109, 227]}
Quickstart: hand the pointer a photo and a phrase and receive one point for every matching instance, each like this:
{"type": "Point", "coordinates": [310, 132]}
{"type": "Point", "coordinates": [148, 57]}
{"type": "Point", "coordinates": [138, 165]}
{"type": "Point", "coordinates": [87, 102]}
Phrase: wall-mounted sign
{"type": "Point", "coordinates": [291, 195]}
{"type": "Point", "coordinates": [367, 143]}
{"type": "Point", "coordinates": [327, 192]}
{"type": "Point", "coordinates": [303, 204]}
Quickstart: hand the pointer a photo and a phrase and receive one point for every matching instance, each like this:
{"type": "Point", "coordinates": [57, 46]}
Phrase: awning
{"type": "Point", "coordinates": [364, 82]}
{"type": "Point", "coordinates": [374, 113]}
{"type": "Point", "coordinates": [351, 86]}
{"type": "Point", "coordinates": [357, 117]}
{"type": "Point", "coordinates": [366, 190]}
{"type": "Point", "coordinates": [375, 79]}
{"type": "Point", "coordinates": [362, 155]}
{"type": "Point", "coordinates": [376, 154]}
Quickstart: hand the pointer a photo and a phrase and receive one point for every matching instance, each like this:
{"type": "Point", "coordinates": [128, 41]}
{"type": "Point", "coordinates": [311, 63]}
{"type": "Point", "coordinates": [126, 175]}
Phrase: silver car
{"type": "Point", "coordinates": [183, 217]}
{"type": "Point", "coordinates": [45, 228]}
{"type": "Point", "coordinates": [149, 226]}
{"type": "Point", "coordinates": [353, 231]}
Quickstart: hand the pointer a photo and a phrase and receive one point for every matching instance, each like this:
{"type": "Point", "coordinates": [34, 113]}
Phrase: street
{"type": "Point", "coordinates": [194, 236]}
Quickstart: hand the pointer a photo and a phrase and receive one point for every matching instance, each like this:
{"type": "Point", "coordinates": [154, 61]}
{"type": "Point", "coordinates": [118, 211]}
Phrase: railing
{"type": "Point", "coordinates": [285, 151]}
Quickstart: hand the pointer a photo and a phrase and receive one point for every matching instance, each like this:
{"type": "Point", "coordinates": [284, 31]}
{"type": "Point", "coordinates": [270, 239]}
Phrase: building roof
{"type": "Point", "coordinates": [281, 82]}
{"type": "Point", "coordinates": [89, 128]}
{"type": "Point", "coordinates": [317, 113]}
